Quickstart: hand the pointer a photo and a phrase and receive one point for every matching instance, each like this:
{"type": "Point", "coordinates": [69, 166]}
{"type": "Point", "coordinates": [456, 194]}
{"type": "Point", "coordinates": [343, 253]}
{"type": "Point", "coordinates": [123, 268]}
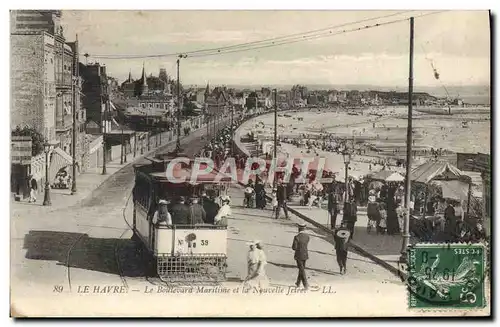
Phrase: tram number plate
{"type": "Point", "coordinates": [204, 242]}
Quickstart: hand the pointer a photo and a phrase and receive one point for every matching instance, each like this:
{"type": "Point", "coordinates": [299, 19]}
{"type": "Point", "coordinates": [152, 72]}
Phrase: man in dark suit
{"type": "Point", "coordinates": [197, 213]}
{"type": "Point", "coordinates": [300, 242]}
{"type": "Point", "coordinates": [281, 197]}
{"type": "Point", "coordinates": [333, 207]}
{"type": "Point", "coordinates": [211, 209]}
{"type": "Point", "coordinates": [180, 212]}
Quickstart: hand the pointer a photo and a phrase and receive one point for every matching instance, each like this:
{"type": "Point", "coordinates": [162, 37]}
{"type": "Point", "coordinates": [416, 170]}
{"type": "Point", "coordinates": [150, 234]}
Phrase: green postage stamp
{"type": "Point", "coordinates": [445, 276]}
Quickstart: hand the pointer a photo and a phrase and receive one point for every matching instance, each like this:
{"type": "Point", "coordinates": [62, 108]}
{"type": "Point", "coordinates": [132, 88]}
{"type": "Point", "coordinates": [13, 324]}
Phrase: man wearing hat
{"type": "Point", "coordinates": [211, 208]}
{"type": "Point", "coordinates": [180, 212]}
{"type": "Point", "coordinates": [333, 207]}
{"type": "Point", "coordinates": [282, 198]}
{"type": "Point", "coordinates": [341, 239]}
{"type": "Point", "coordinates": [299, 245]}
{"type": "Point", "coordinates": [197, 213]}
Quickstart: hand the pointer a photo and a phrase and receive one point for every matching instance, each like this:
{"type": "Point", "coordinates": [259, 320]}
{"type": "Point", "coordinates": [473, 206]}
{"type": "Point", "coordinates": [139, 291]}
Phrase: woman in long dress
{"type": "Point", "coordinates": [257, 261]}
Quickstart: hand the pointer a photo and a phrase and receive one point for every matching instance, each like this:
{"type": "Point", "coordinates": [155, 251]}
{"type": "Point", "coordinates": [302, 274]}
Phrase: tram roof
{"type": "Point", "coordinates": [186, 173]}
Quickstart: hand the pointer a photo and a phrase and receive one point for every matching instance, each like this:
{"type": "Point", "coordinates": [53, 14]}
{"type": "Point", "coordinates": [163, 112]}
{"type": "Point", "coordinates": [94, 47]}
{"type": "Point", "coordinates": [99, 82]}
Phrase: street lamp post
{"type": "Point", "coordinates": [46, 197]}
{"type": "Point", "coordinates": [347, 160]}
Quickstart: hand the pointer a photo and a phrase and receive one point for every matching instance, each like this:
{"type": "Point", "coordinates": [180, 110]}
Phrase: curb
{"type": "Point", "coordinates": [141, 156]}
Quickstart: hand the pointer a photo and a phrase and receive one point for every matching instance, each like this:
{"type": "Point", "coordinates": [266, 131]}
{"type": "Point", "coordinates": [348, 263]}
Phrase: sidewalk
{"type": "Point", "coordinates": [277, 235]}
{"type": "Point", "coordinates": [86, 183]}
{"type": "Point", "coordinates": [382, 249]}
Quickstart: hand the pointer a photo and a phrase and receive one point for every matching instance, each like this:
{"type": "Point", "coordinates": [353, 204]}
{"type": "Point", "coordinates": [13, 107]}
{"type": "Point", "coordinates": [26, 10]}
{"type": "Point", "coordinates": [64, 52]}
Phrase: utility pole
{"type": "Point", "coordinates": [178, 143]}
{"type": "Point", "coordinates": [121, 148]}
{"type": "Point", "coordinates": [208, 126]}
{"type": "Point", "coordinates": [104, 127]}
{"type": "Point", "coordinates": [232, 132]}
{"type": "Point", "coordinates": [409, 131]}
{"type": "Point", "coordinates": [147, 128]}
{"type": "Point", "coordinates": [76, 93]}
{"type": "Point", "coordinates": [275, 127]}
{"type": "Point", "coordinates": [215, 121]}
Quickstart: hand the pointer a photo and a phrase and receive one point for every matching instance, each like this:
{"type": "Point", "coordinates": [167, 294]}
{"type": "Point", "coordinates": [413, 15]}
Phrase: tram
{"type": "Point", "coordinates": [180, 253]}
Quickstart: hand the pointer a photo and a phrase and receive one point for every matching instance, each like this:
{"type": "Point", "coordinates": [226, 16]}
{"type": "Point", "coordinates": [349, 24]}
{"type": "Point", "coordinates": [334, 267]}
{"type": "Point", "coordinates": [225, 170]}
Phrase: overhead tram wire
{"type": "Point", "coordinates": [248, 44]}
{"type": "Point", "coordinates": [284, 42]}
{"type": "Point", "coordinates": [329, 34]}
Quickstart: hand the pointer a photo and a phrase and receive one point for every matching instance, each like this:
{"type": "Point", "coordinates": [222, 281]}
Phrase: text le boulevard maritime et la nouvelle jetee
{"type": "Point", "coordinates": [159, 289]}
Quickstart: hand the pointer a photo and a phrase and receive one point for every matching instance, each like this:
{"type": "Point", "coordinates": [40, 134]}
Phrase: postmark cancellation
{"type": "Point", "coordinates": [446, 276]}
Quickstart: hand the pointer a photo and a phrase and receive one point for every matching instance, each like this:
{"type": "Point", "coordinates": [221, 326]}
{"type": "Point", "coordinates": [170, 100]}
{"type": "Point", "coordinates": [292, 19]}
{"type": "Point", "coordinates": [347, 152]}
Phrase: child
{"type": "Point", "coordinates": [382, 225]}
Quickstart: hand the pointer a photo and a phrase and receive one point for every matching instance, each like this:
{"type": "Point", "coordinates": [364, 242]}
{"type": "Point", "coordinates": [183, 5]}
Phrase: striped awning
{"type": "Point", "coordinates": [58, 160]}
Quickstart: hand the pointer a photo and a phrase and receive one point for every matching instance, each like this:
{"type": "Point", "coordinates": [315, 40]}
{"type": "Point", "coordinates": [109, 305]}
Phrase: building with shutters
{"type": "Point", "coordinates": [45, 82]}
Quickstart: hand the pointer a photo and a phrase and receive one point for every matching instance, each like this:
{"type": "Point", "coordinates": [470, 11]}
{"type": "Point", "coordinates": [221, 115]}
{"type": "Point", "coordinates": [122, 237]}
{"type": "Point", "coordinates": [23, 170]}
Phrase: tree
{"type": "Point", "coordinates": [189, 108]}
{"type": "Point", "coordinates": [37, 139]}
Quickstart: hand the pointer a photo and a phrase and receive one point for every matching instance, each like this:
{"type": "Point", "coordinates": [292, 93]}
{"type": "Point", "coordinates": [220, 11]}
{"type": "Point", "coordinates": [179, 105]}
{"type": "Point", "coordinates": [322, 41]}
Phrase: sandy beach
{"type": "Point", "coordinates": [383, 128]}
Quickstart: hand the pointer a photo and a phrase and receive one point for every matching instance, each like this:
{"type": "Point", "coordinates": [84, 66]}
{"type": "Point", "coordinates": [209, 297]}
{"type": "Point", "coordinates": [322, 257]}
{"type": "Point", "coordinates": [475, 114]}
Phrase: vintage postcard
{"type": "Point", "coordinates": [250, 163]}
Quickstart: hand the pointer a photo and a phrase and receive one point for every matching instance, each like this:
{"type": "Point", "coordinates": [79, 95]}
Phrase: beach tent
{"type": "Point", "coordinates": [454, 189]}
{"type": "Point", "coordinates": [387, 176]}
{"type": "Point", "coordinates": [438, 172]}
{"type": "Point", "coordinates": [435, 170]}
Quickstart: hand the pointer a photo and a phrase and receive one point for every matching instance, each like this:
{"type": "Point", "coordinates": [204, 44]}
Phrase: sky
{"type": "Point", "coordinates": [457, 43]}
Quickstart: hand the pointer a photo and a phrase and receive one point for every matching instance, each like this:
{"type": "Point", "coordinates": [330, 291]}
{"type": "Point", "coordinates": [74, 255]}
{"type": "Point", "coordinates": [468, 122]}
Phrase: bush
{"type": "Point", "coordinates": [37, 139]}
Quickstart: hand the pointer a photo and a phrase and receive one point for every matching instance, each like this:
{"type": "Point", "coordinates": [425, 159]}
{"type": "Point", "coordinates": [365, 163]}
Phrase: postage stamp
{"type": "Point", "coordinates": [446, 276]}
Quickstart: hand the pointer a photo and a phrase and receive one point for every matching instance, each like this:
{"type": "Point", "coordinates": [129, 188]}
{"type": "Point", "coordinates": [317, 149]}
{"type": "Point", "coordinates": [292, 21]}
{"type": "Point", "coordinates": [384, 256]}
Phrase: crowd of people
{"type": "Point", "coordinates": [192, 211]}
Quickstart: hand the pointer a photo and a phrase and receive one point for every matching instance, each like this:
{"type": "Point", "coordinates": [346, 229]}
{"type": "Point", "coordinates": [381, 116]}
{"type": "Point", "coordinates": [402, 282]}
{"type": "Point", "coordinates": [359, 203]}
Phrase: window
{"type": "Point", "coordinates": [158, 106]}
{"type": "Point", "coordinates": [143, 105]}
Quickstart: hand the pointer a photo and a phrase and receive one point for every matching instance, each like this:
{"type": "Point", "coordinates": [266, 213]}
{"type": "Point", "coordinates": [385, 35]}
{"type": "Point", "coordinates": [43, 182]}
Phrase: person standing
{"type": "Point", "coordinates": [401, 213]}
{"type": "Point", "coordinates": [33, 189]}
{"type": "Point", "coordinates": [211, 208]}
{"type": "Point", "coordinates": [299, 245]}
{"type": "Point", "coordinates": [180, 212]}
{"type": "Point", "coordinates": [350, 216]}
{"type": "Point", "coordinates": [224, 212]}
{"type": "Point", "coordinates": [341, 239]}
{"type": "Point", "coordinates": [249, 195]}
{"type": "Point", "coordinates": [162, 216]}
{"type": "Point", "coordinates": [257, 262]}
{"type": "Point", "coordinates": [197, 213]}
{"type": "Point", "coordinates": [333, 207]}
{"type": "Point", "coordinates": [281, 197]}
{"type": "Point", "coordinates": [372, 210]}
{"type": "Point", "coordinates": [450, 222]}
{"type": "Point", "coordinates": [252, 262]}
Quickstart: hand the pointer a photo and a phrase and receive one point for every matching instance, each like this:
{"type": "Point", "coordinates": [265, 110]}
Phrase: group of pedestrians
{"type": "Point", "coordinates": [257, 261]}
{"type": "Point", "coordinates": [204, 210]}
{"type": "Point", "coordinates": [255, 196]}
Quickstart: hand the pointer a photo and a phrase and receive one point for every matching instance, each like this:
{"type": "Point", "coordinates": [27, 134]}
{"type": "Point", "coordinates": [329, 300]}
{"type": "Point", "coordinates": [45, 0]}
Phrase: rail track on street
{"type": "Point", "coordinates": [117, 254]}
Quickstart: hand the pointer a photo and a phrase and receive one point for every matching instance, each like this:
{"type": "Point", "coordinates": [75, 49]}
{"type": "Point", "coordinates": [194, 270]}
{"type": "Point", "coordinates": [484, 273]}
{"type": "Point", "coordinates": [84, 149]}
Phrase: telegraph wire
{"type": "Point", "coordinates": [276, 41]}
{"type": "Point", "coordinates": [329, 34]}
